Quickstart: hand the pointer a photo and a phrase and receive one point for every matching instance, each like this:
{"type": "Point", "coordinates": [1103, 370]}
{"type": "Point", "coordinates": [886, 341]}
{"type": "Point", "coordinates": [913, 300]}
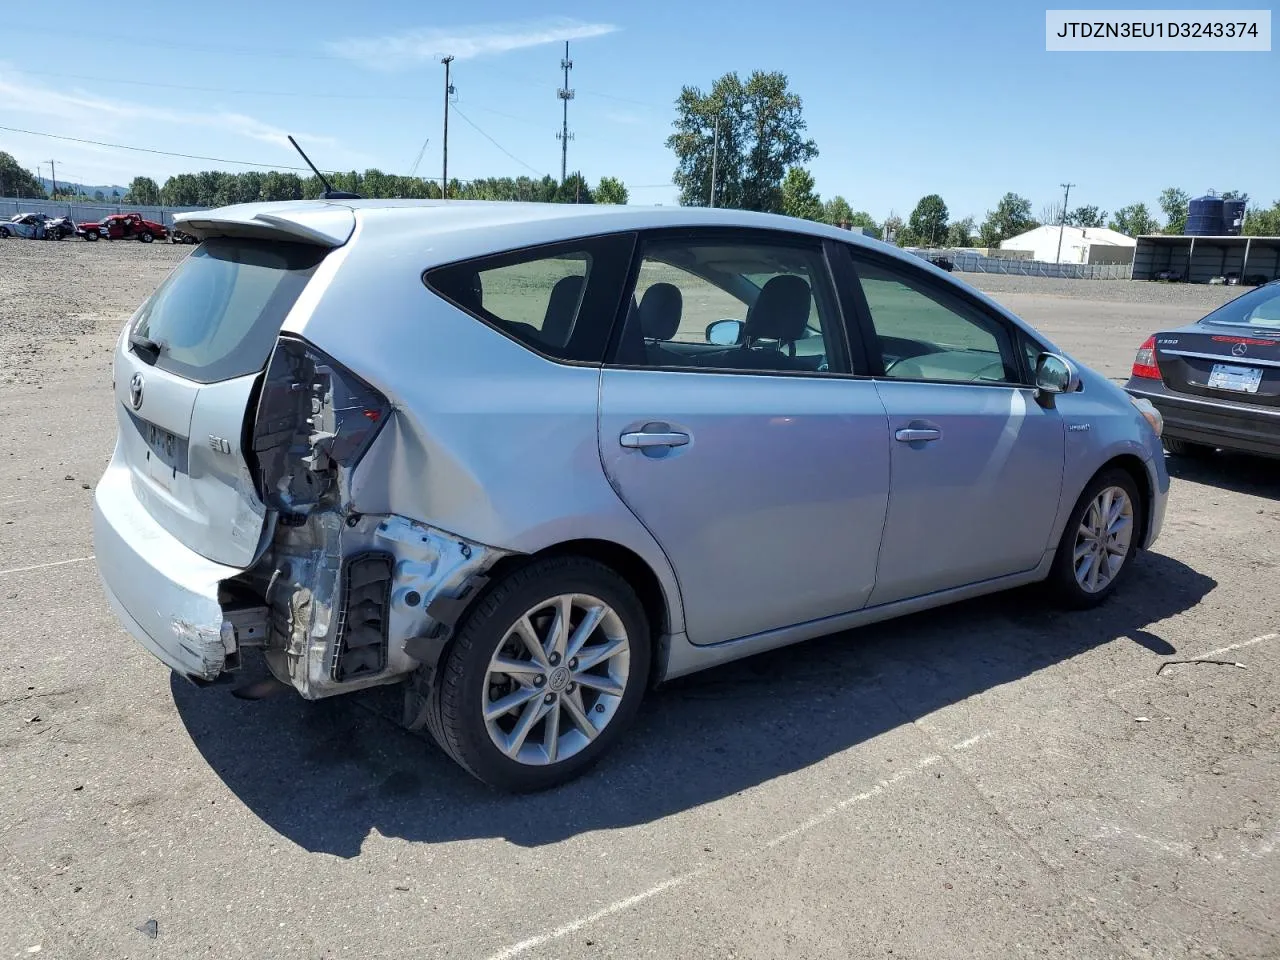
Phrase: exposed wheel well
{"type": "Point", "coordinates": [618, 558]}
{"type": "Point", "coordinates": [1137, 470]}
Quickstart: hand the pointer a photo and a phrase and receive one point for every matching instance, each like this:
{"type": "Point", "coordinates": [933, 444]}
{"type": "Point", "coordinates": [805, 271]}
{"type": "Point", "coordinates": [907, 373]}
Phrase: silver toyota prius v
{"type": "Point", "coordinates": [528, 460]}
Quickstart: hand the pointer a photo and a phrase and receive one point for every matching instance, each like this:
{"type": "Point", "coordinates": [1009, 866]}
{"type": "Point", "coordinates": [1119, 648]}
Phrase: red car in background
{"type": "Point", "coordinates": [123, 226]}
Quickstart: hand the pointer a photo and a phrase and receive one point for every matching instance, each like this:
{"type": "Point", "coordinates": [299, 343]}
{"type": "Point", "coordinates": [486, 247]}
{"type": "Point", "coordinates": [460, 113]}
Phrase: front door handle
{"type": "Point", "coordinates": [912, 434]}
{"type": "Point", "coordinates": [643, 439]}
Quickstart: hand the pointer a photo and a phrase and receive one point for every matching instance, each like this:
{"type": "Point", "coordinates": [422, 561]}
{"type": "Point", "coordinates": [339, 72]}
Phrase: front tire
{"type": "Point", "coordinates": [91, 235]}
{"type": "Point", "coordinates": [1099, 542]}
{"type": "Point", "coordinates": [145, 237]}
{"type": "Point", "coordinates": [544, 675]}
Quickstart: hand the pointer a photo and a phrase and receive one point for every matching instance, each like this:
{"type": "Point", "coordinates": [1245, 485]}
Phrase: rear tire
{"type": "Point", "coordinates": [556, 701]}
{"type": "Point", "coordinates": [1097, 550]}
{"type": "Point", "coordinates": [4, 233]}
{"type": "Point", "coordinates": [1185, 448]}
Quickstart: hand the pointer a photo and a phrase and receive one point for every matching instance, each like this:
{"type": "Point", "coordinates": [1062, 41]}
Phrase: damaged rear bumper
{"type": "Point", "coordinates": [166, 595]}
{"type": "Point", "coordinates": [338, 603]}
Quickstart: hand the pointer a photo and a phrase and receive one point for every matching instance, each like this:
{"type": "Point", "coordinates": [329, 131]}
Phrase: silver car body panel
{"type": "Point", "coordinates": [492, 450]}
{"type": "Point", "coordinates": [772, 512]}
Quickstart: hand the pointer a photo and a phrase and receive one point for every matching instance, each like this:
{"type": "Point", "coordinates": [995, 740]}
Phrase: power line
{"type": "Point", "coordinates": [186, 156]}
{"type": "Point", "coordinates": [305, 94]}
{"type": "Point", "coordinates": [473, 126]}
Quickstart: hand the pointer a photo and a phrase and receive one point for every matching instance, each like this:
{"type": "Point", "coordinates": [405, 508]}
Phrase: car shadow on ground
{"type": "Point", "coordinates": [326, 774]}
{"type": "Point", "coordinates": [1237, 472]}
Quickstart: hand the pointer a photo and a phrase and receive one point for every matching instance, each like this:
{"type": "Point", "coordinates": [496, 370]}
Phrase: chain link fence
{"type": "Point", "coordinates": [968, 262]}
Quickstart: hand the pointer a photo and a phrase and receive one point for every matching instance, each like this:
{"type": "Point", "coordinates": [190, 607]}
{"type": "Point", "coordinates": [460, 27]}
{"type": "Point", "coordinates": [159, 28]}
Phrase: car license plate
{"type": "Point", "coordinates": [165, 458]}
{"type": "Point", "coordinates": [1225, 376]}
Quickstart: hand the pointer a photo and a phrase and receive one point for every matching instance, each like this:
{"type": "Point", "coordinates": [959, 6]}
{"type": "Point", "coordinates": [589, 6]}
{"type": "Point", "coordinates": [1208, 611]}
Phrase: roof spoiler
{"type": "Point", "coordinates": [316, 222]}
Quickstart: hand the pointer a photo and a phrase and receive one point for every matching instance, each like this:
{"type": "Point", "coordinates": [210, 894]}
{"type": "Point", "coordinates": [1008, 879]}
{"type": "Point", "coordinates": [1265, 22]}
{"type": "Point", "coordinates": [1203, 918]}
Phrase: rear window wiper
{"type": "Point", "coordinates": [146, 348]}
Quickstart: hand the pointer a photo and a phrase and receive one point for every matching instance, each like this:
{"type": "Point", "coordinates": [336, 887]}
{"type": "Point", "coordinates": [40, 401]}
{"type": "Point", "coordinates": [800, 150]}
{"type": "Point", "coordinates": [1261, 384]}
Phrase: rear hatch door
{"type": "Point", "coordinates": [187, 372]}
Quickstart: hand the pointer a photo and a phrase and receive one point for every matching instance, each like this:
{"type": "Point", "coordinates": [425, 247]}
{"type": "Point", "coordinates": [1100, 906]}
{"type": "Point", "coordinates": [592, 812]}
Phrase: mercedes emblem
{"type": "Point", "coordinates": [135, 391]}
{"type": "Point", "coordinates": [1240, 349]}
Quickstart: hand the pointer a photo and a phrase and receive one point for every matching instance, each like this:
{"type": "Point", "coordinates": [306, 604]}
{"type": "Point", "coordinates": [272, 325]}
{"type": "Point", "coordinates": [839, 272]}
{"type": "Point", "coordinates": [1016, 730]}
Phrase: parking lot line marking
{"type": "Point", "coordinates": [573, 926]}
{"type": "Point", "coordinates": [41, 566]}
{"type": "Point", "coordinates": [507, 953]}
{"type": "Point", "coordinates": [975, 739]}
{"type": "Point", "coordinates": [1200, 656]}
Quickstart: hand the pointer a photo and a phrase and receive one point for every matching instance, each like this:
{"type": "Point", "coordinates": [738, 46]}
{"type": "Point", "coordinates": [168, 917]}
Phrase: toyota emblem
{"type": "Point", "coordinates": [135, 391]}
{"type": "Point", "coordinates": [1240, 349]}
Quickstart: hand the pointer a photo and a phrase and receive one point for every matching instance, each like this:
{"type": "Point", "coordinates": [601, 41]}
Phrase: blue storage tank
{"type": "Point", "coordinates": [1204, 217]}
{"type": "Point", "coordinates": [1232, 217]}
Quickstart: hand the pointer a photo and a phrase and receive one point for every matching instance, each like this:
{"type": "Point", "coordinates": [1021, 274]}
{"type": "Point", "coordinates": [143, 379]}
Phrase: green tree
{"type": "Point", "coordinates": [99, 196]}
{"type": "Point", "coordinates": [1173, 202]}
{"type": "Point", "coordinates": [761, 136]}
{"type": "Point", "coordinates": [1087, 217]}
{"type": "Point", "coordinates": [928, 221]}
{"type": "Point", "coordinates": [837, 212]}
{"type": "Point", "coordinates": [798, 196]}
{"type": "Point", "coordinates": [1011, 217]}
{"type": "Point", "coordinates": [1134, 220]}
{"type": "Point", "coordinates": [282, 186]}
{"type": "Point", "coordinates": [960, 233]}
{"type": "Point", "coordinates": [861, 218]}
{"type": "Point", "coordinates": [1263, 222]}
{"type": "Point", "coordinates": [611, 190]}
{"type": "Point", "coordinates": [575, 189]}
{"type": "Point", "coordinates": [144, 192]}
{"type": "Point", "coordinates": [17, 181]}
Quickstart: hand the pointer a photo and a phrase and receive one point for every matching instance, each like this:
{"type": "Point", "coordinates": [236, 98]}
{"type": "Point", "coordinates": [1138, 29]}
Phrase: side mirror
{"type": "Point", "coordinates": [725, 333]}
{"type": "Point", "coordinates": [1055, 374]}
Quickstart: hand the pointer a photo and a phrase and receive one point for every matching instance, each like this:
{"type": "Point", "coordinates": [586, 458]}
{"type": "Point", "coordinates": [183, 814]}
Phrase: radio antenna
{"type": "Point", "coordinates": [329, 192]}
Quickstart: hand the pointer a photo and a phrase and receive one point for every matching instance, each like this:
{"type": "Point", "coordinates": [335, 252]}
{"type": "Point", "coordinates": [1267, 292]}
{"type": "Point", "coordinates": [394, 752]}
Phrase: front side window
{"type": "Point", "coordinates": [558, 300]}
{"type": "Point", "coordinates": [732, 305]}
{"type": "Point", "coordinates": [923, 334]}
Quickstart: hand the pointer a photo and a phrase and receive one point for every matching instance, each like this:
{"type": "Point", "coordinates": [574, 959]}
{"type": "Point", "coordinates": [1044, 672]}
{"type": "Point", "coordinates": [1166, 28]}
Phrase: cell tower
{"type": "Point", "coordinates": [565, 94]}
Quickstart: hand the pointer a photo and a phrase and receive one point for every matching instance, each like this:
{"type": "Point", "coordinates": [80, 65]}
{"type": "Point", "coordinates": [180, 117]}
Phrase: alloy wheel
{"type": "Point", "coordinates": [1103, 539]}
{"type": "Point", "coordinates": [556, 679]}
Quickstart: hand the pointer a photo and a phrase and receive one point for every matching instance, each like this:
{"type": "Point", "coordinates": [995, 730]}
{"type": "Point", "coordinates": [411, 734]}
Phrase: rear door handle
{"type": "Point", "coordinates": [642, 439]}
{"type": "Point", "coordinates": [912, 434]}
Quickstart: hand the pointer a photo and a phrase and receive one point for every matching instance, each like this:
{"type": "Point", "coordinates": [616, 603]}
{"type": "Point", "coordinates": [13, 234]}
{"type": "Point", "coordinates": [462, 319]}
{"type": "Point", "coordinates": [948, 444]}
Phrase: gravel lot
{"type": "Point", "coordinates": [987, 780]}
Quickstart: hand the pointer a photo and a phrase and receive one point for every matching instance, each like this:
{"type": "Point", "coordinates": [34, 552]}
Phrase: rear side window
{"type": "Point", "coordinates": [559, 300]}
{"type": "Point", "coordinates": [218, 314]}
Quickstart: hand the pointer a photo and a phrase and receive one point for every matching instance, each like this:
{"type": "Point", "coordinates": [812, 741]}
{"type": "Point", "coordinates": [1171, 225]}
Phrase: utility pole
{"type": "Point", "coordinates": [54, 177]}
{"type": "Point", "coordinates": [1062, 218]}
{"type": "Point", "coordinates": [565, 94]}
{"type": "Point", "coordinates": [448, 91]}
{"type": "Point", "coordinates": [715, 156]}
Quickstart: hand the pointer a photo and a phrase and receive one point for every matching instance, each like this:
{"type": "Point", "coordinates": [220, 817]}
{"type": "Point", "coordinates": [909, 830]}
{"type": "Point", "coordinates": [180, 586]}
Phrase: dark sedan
{"type": "Point", "coordinates": [1217, 381]}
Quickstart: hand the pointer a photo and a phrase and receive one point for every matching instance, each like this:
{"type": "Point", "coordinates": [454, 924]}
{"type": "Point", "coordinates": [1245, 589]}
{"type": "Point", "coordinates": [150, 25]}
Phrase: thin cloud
{"type": "Point", "coordinates": [93, 113]}
{"type": "Point", "coordinates": [406, 49]}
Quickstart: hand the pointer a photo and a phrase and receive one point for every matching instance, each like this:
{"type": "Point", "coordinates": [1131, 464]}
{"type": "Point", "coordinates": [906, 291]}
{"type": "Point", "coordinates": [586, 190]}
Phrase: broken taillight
{"type": "Point", "coordinates": [1144, 364]}
{"type": "Point", "coordinates": [314, 416]}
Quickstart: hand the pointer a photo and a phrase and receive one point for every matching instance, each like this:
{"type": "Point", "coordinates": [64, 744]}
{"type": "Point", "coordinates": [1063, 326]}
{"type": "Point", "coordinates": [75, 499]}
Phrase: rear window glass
{"type": "Point", "coordinates": [536, 300]}
{"type": "Point", "coordinates": [217, 315]}
{"type": "Point", "coordinates": [1257, 308]}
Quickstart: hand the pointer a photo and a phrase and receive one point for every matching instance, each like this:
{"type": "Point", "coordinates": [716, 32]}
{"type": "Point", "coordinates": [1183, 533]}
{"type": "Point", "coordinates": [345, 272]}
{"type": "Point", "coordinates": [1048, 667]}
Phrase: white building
{"type": "Point", "coordinates": [1079, 245]}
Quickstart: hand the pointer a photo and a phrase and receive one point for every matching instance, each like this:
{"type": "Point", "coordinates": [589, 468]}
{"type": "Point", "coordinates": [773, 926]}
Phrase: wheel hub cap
{"type": "Point", "coordinates": [556, 679]}
{"type": "Point", "coordinates": [1103, 539]}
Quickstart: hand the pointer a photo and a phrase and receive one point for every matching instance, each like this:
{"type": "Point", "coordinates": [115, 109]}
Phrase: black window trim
{"type": "Point", "coordinates": [524, 254]}
{"type": "Point", "coordinates": [764, 236]}
{"type": "Point", "coordinates": [860, 313]}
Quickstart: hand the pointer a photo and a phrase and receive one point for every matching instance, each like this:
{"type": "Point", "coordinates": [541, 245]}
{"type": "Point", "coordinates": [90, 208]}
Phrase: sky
{"type": "Point", "coordinates": [903, 99]}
